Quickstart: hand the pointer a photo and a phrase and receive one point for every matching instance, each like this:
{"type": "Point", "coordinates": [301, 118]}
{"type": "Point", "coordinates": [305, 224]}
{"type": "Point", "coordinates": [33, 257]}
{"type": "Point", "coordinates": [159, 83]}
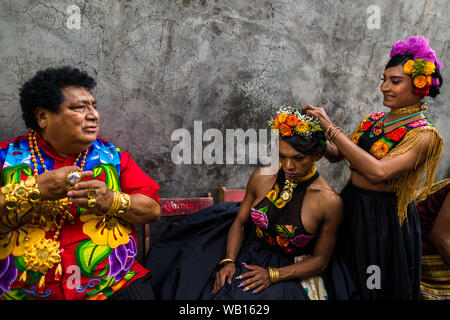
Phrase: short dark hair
{"type": "Point", "coordinates": [315, 145]}
{"type": "Point", "coordinates": [44, 90]}
{"type": "Point", "coordinates": [401, 59]}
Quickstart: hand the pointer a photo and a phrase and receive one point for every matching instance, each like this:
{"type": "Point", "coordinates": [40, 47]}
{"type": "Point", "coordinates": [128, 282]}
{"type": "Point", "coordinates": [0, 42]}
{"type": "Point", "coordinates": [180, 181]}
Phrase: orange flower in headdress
{"type": "Point", "coordinates": [292, 120]}
{"type": "Point", "coordinates": [285, 130]}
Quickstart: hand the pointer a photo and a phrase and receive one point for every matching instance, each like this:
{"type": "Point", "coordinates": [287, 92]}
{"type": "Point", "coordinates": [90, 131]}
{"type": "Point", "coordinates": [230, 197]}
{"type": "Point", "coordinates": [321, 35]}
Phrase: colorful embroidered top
{"type": "Point", "coordinates": [279, 223]}
{"type": "Point", "coordinates": [374, 140]}
{"type": "Point", "coordinates": [98, 259]}
{"type": "Point", "coordinates": [378, 143]}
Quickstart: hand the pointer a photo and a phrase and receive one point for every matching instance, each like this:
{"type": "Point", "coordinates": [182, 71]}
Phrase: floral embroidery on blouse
{"type": "Point", "coordinates": [418, 123]}
{"type": "Point", "coordinates": [386, 141]}
{"type": "Point", "coordinates": [377, 116]}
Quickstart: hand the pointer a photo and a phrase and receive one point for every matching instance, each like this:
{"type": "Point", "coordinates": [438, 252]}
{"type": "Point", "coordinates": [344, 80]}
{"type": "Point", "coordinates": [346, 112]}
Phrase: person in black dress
{"type": "Point", "coordinates": [390, 153]}
{"type": "Point", "coordinates": [277, 244]}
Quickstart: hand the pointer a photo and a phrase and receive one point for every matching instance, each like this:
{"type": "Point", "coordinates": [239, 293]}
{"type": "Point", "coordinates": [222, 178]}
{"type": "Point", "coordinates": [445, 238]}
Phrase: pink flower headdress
{"type": "Point", "coordinates": [423, 65]}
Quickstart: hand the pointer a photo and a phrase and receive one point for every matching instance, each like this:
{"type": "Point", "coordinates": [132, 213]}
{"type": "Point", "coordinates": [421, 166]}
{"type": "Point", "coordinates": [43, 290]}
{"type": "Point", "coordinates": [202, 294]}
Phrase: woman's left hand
{"type": "Point", "coordinates": [257, 279]}
{"type": "Point", "coordinates": [318, 113]}
{"type": "Point", "coordinates": [103, 196]}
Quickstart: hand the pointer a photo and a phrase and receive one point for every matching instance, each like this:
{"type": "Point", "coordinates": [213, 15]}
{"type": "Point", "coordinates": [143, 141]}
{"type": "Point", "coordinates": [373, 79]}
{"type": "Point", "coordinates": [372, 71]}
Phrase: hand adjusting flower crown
{"type": "Point", "coordinates": [290, 121]}
{"type": "Point", "coordinates": [422, 66]}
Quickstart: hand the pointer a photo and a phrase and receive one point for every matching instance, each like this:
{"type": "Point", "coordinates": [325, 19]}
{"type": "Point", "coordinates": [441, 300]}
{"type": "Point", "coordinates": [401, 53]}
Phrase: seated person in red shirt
{"type": "Point", "coordinates": [69, 200]}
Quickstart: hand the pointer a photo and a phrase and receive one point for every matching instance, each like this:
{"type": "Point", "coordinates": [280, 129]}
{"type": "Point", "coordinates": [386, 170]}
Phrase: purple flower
{"type": "Point", "coordinates": [418, 47]}
{"type": "Point", "coordinates": [8, 273]}
{"type": "Point", "coordinates": [301, 240]}
{"type": "Point", "coordinates": [121, 259]}
{"type": "Point", "coordinates": [400, 47]}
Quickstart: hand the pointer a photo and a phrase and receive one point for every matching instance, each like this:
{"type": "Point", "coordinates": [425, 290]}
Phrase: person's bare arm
{"type": "Point", "coordinates": [236, 234]}
{"type": "Point", "coordinates": [440, 233]}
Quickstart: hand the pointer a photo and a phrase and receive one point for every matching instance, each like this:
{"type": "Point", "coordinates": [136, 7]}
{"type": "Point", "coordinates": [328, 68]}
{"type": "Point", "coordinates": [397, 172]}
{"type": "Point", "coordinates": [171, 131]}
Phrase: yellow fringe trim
{"type": "Point", "coordinates": [405, 186]}
{"type": "Point", "coordinates": [438, 185]}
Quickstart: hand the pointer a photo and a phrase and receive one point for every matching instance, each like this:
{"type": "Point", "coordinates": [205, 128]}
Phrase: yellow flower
{"type": "Point", "coordinates": [302, 126]}
{"type": "Point", "coordinates": [429, 68]}
{"type": "Point", "coordinates": [259, 232]}
{"type": "Point", "coordinates": [112, 232]}
{"type": "Point", "coordinates": [420, 81]}
{"type": "Point", "coordinates": [14, 236]}
{"type": "Point", "coordinates": [272, 195]}
{"type": "Point", "coordinates": [408, 67]}
{"type": "Point", "coordinates": [282, 117]}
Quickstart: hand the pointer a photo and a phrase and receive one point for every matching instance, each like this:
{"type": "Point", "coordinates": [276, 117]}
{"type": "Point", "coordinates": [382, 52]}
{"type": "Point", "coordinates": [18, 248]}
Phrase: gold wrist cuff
{"type": "Point", "coordinates": [121, 204]}
{"type": "Point", "coordinates": [274, 275]}
{"type": "Point", "coordinates": [225, 261]}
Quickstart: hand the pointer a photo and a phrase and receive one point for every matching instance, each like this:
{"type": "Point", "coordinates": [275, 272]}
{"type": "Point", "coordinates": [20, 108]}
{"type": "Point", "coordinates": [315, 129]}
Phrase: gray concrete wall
{"type": "Point", "coordinates": [161, 65]}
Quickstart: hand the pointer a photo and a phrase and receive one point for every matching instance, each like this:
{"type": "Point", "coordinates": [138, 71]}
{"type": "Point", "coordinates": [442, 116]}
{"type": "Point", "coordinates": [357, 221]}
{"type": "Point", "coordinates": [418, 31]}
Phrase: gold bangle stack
{"type": "Point", "coordinates": [225, 261]}
{"type": "Point", "coordinates": [274, 275]}
{"type": "Point", "coordinates": [120, 205]}
{"type": "Point", "coordinates": [21, 197]}
{"type": "Point", "coordinates": [332, 131]}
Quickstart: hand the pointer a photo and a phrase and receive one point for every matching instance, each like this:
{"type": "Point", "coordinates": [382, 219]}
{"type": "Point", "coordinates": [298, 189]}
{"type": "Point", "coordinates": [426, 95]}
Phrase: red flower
{"type": "Point", "coordinates": [422, 91]}
{"type": "Point", "coordinates": [366, 125]}
{"type": "Point", "coordinates": [397, 134]}
{"type": "Point", "coordinates": [270, 241]}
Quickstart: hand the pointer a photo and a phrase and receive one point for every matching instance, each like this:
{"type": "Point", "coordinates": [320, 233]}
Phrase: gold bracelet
{"type": "Point", "coordinates": [274, 275]}
{"type": "Point", "coordinates": [22, 196]}
{"type": "Point", "coordinates": [225, 261]}
{"type": "Point", "coordinates": [121, 204]}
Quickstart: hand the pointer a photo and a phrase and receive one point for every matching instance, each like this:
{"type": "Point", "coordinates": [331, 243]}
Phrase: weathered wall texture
{"type": "Point", "coordinates": [161, 65]}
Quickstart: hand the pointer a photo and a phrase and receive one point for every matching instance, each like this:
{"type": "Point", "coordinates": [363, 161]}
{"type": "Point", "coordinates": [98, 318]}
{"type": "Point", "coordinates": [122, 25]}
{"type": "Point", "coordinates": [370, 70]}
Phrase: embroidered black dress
{"type": "Point", "coordinates": [383, 256]}
{"type": "Point", "coordinates": [183, 263]}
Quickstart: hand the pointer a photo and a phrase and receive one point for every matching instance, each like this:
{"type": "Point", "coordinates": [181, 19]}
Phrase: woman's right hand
{"type": "Point", "coordinates": [224, 274]}
{"type": "Point", "coordinates": [53, 184]}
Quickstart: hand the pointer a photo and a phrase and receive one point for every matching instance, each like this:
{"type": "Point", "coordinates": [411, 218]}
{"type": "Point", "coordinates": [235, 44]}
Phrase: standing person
{"type": "Point", "coordinates": [388, 154]}
{"type": "Point", "coordinates": [277, 244]}
{"type": "Point", "coordinates": [69, 200]}
{"type": "Point", "coordinates": [434, 213]}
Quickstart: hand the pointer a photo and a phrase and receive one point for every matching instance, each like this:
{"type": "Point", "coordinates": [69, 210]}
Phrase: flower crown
{"type": "Point", "coordinates": [422, 66]}
{"type": "Point", "coordinates": [290, 121]}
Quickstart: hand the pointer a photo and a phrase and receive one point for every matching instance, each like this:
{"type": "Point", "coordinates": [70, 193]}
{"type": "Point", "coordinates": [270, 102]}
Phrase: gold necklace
{"type": "Point", "coordinates": [289, 186]}
{"type": "Point", "coordinates": [42, 255]}
{"type": "Point", "coordinates": [421, 106]}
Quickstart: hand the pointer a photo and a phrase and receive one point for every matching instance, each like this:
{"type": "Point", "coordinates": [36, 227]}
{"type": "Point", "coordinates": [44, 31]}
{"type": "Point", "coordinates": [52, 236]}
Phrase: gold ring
{"type": "Point", "coordinates": [92, 203]}
{"type": "Point", "coordinates": [73, 177]}
{"type": "Point", "coordinates": [91, 193]}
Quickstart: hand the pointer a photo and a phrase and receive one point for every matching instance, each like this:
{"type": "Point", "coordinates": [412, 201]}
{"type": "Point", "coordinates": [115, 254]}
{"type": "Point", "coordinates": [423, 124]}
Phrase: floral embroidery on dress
{"type": "Point", "coordinates": [377, 116]}
{"type": "Point", "coordinates": [259, 217]}
{"type": "Point", "coordinates": [419, 123]}
{"type": "Point", "coordinates": [366, 125]}
{"type": "Point", "coordinates": [8, 273]}
{"type": "Point", "coordinates": [397, 134]}
{"type": "Point", "coordinates": [379, 149]}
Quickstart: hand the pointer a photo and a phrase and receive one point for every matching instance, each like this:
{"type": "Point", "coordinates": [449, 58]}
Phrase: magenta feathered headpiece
{"type": "Point", "coordinates": [418, 47]}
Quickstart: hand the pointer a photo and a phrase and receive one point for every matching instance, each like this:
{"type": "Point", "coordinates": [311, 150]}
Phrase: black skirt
{"type": "Point", "coordinates": [384, 258]}
{"type": "Point", "coordinates": [183, 262]}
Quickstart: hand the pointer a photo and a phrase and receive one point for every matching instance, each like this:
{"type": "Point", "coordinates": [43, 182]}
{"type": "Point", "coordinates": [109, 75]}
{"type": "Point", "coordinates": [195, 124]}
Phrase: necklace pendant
{"type": "Point", "coordinates": [285, 195]}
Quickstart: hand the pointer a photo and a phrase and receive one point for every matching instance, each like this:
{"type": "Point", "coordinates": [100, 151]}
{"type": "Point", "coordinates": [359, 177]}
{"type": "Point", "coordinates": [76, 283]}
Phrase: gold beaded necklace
{"type": "Point", "coordinates": [45, 253]}
{"type": "Point", "coordinates": [421, 106]}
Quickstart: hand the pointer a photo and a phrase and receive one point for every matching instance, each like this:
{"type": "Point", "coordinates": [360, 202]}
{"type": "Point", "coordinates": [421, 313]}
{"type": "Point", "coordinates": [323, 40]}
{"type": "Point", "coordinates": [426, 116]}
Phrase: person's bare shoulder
{"type": "Point", "coordinates": [330, 202]}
